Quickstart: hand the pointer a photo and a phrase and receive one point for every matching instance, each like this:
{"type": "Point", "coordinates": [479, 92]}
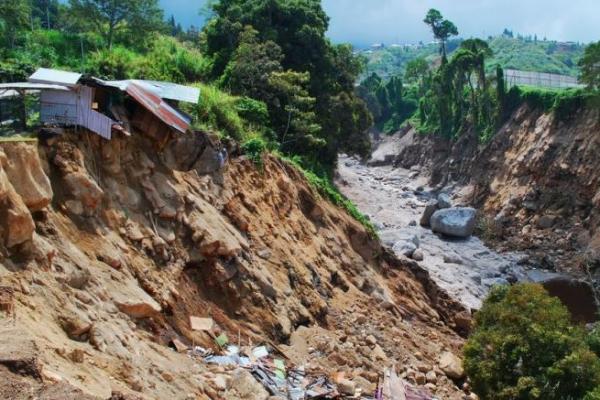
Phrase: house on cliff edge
{"type": "Point", "coordinates": [68, 99]}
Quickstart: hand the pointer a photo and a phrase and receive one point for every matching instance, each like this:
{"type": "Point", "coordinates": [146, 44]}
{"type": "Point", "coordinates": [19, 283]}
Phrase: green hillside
{"type": "Point", "coordinates": [517, 53]}
{"type": "Point", "coordinates": [538, 56]}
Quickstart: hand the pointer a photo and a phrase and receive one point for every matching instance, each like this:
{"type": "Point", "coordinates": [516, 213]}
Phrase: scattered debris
{"type": "Point", "coordinates": [202, 324]}
{"type": "Point", "coordinates": [179, 346]}
{"type": "Point", "coordinates": [295, 382]}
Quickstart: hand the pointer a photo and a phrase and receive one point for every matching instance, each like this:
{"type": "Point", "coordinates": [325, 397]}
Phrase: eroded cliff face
{"type": "Point", "coordinates": [537, 181]}
{"type": "Point", "coordinates": [107, 249]}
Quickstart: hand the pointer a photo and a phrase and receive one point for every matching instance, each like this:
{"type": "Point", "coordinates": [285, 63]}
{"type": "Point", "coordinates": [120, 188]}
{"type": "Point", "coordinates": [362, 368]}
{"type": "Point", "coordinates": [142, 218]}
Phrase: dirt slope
{"type": "Point", "coordinates": [537, 181]}
{"type": "Point", "coordinates": [107, 249]}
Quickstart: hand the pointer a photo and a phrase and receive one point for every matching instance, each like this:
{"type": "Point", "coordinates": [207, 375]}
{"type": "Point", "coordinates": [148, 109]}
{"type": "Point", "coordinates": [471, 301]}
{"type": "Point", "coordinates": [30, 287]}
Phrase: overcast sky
{"type": "Point", "coordinates": [363, 22]}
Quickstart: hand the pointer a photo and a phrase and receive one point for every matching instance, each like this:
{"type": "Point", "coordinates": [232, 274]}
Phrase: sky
{"type": "Point", "coordinates": [364, 22]}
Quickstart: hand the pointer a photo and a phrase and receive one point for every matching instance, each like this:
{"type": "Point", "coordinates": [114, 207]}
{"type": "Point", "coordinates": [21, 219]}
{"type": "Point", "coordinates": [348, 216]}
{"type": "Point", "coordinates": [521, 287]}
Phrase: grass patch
{"type": "Point", "coordinates": [239, 118]}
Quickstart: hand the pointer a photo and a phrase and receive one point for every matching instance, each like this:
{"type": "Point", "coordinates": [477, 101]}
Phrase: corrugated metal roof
{"type": "Point", "coordinates": [54, 76]}
{"type": "Point", "coordinates": [164, 90]}
{"type": "Point", "coordinates": [31, 86]}
{"type": "Point", "coordinates": [157, 106]}
{"type": "Point", "coordinates": [173, 91]}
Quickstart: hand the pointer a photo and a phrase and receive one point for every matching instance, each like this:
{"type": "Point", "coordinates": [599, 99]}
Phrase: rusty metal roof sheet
{"type": "Point", "coordinates": [157, 106]}
{"type": "Point", "coordinates": [54, 76]}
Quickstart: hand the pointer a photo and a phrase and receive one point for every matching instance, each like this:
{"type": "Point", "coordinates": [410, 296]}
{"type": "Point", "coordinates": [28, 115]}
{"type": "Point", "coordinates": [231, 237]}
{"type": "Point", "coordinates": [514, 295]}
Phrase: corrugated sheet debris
{"type": "Point", "coordinates": [159, 107]}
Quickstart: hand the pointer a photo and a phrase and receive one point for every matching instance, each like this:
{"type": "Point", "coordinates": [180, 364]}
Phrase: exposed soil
{"type": "Point", "coordinates": [107, 249]}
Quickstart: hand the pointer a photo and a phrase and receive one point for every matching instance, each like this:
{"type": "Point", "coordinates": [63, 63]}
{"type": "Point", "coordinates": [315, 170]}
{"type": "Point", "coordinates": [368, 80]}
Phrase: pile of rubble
{"type": "Point", "coordinates": [270, 367]}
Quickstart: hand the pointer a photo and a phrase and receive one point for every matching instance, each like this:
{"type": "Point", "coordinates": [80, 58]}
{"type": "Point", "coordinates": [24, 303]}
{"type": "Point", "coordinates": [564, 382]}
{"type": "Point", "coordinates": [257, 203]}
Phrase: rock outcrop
{"type": "Point", "coordinates": [535, 182]}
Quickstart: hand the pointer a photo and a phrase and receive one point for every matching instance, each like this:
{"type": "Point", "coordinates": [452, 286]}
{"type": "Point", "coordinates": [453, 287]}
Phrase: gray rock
{"type": "Point", "coordinates": [431, 207]}
{"type": "Point", "coordinates": [392, 236]}
{"type": "Point", "coordinates": [495, 282]}
{"type": "Point", "coordinates": [405, 248]}
{"type": "Point", "coordinates": [444, 201]}
{"type": "Point", "coordinates": [418, 255]}
{"type": "Point", "coordinates": [456, 222]}
{"type": "Point", "coordinates": [453, 259]}
{"type": "Point", "coordinates": [547, 221]}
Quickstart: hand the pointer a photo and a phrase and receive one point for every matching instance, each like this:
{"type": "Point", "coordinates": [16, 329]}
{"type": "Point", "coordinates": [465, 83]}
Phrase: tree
{"type": "Point", "coordinates": [480, 50]}
{"type": "Point", "coordinates": [293, 117]}
{"type": "Point", "coordinates": [45, 13]}
{"type": "Point", "coordinates": [174, 27]}
{"type": "Point", "coordinates": [523, 347]}
{"type": "Point", "coordinates": [251, 66]}
{"type": "Point", "coordinates": [416, 70]}
{"type": "Point", "coordinates": [442, 29]}
{"type": "Point", "coordinates": [298, 28]}
{"type": "Point", "coordinates": [590, 66]}
{"type": "Point", "coordinates": [110, 17]}
{"type": "Point", "coordinates": [14, 17]}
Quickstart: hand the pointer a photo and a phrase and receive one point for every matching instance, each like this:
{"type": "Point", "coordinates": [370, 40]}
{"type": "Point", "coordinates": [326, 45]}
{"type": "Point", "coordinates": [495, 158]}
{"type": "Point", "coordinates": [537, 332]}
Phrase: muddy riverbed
{"type": "Point", "coordinates": [395, 198]}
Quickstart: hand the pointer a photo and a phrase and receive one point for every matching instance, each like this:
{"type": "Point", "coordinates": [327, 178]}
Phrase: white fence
{"type": "Point", "coordinates": [515, 77]}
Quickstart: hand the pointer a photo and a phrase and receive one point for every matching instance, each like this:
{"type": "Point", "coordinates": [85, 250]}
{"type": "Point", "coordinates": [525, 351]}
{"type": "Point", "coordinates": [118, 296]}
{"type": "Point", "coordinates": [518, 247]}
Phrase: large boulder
{"type": "Point", "coordinates": [451, 365]}
{"type": "Point", "coordinates": [431, 207]}
{"type": "Point", "coordinates": [456, 222]}
{"type": "Point", "coordinates": [16, 223]}
{"type": "Point", "coordinates": [577, 295]}
{"type": "Point", "coordinates": [24, 170]}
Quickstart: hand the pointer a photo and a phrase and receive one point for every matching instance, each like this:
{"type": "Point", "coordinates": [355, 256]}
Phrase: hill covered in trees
{"type": "Point", "coordinates": [510, 52]}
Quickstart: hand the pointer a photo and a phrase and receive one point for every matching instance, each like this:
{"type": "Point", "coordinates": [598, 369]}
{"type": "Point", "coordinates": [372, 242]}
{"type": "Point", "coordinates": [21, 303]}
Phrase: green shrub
{"type": "Point", "coordinates": [538, 98]}
{"type": "Point", "coordinates": [253, 111]}
{"type": "Point", "coordinates": [593, 339]}
{"type": "Point", "coordinates": [593, 395]}
{"type": "Point", "coordinates": [116, 63]}
{"type": "Point", "coordinates": [564, 103]}
{"type": "Point", "coordinates": [170, 60]}
{"type": "Point", "coordinates": [523, 347]}
{"type": "Point", "coordinates": [217, 110]}
{"type": "Point", "coordinates": [255, 148]}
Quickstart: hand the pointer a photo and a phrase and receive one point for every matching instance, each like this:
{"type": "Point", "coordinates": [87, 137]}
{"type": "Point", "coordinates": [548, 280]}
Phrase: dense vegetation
{"type": "Point", "coordinates": [522, 53]}
{"type": "Point", "coordinates": [466, 92]}
{"type": "Point", "coordinates": [269, 77]}
{"type": "Point", "coordinates": [524, 347]}
{"type": "Point", "coordinates": [390, 103]}
{"type": "Point", "coordinates": [277, 52]}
